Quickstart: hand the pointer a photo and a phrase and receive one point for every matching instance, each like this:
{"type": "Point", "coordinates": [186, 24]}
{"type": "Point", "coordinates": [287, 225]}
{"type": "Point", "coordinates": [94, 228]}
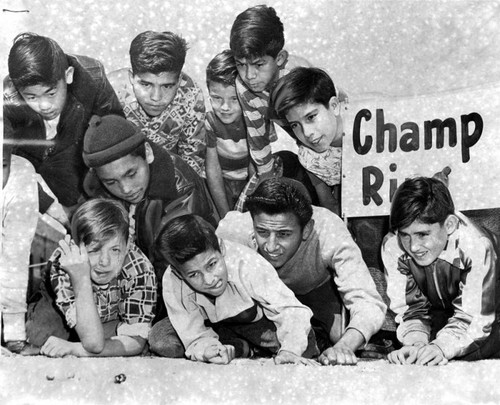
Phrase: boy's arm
{"type": "Point", "coordinates": [186, 317]}
{"type": "Point", "coordinates": [191, 145]}
{"type": "Point", "coordinates": [70, 276]}
{"type": "Point", "coordinates": [475, 303]}
{"type": "Point", "coordinates": [292, 319]}
{"type": "Point", "coordinates": [259, 127]}
{"type": "Point", "coordinates": [19, 220]}
{"type": "Point", "coordinates": [407, 301]}
{"type": "Point", "coordinates": [352, 277]}
{"type": "Point", "coordinates": [216, 182]}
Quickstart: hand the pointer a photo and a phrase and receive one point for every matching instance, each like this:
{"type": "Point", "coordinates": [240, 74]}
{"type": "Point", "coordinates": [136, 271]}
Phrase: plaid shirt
{"type": "Point", "coordinates": [180, 128]}
{"type": "Point", "coordinates": [130, 298]}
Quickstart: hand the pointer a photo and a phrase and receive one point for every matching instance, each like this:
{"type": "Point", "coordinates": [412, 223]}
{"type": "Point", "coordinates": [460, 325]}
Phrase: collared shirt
{"type": "Point", "coordinates": [329, 250]}
{"type": "Point", "coordinates": [461, 280]}
{"type": "Point", "coordinates": [130, 298]}
{"type": "Point", "coordinates": [251, 280]}
{"type": "Point", "coordinates": [179, 128]}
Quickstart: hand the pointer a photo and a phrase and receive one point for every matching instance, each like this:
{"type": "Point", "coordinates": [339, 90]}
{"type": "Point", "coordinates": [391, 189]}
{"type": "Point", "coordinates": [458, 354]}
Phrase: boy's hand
{"type": "Point", "coordinates": [74, 259]}
{"type": "Point", "coordinates": [23, 348]}
{"type": "Point", "coordinates": [340, 354]}
{"type": "Point", "coordinates": [286, 357]}
{"type": "Point", "coordinates": [219, 354]}
{"type": "Point", "coordinates": [405, 355]}
{"type": "Point", "coordinates": [431, 355]}
{"type": "Point", "coordinates": [56, 347]}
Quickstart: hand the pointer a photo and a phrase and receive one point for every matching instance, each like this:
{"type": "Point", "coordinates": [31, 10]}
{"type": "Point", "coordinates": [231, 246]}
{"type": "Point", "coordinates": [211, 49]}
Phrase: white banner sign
{"type": "Point", "coordinates": [390, 139]}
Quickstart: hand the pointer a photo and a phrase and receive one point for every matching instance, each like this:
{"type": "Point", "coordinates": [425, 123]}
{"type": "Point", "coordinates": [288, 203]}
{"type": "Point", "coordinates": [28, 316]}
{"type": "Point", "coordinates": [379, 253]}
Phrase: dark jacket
{"type": "Point", "coordinates": [60, 163]}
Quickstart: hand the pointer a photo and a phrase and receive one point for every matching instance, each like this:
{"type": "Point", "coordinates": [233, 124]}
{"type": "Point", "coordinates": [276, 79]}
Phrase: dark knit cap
{"type": "Point", "coordinates": [109, 138]}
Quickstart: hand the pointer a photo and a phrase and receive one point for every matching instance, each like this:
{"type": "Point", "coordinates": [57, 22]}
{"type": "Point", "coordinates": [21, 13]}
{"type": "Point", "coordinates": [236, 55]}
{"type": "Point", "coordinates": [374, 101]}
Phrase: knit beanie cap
{"type": "Point", "coordinates": [109, 138]}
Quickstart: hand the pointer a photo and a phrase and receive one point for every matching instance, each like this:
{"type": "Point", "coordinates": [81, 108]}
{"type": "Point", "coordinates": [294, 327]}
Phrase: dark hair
{"type": "Point", "coordinates": [423, 199]}
{"type": "Point", "coordinates": [257, 31]}
{"type": "Point", "coordinates": [185, 237]}
{"type": "Point", "coordinates": [99, 220]}
{"type": "Point", "coordinates": [222, 69]}
{"type": "Point", "coordinates": [36, 60]}
{"type": "Point", "coordinates": [281, 195]}
{"type": "Point", "coordinates": [302, 85]}
{"type": "Point", "coordinates": [157, 52]}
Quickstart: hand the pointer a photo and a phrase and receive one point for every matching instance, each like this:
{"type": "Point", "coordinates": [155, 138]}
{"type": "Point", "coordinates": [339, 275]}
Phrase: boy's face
{"type": "Point", "coordinates": [260, 72]}
{"type": "Point", "coordinates": [48, 101]}
{"type": "Point", "coordinates": [106, 259]}
{"type": "Point", "coordinates": [206, 273]}
{"type": "Point", "coordinates": [279, 236]}
{"type": "Point", "coordinates": [425, 242]}
{"type": "Point", "coordinates": [127, 178]}
{"type": "Point", "coordinates": [315, 125]}
{"type": "Point", "coordinates": [155, 92]}
{"type": "Point", "coordinates": [224, 102]}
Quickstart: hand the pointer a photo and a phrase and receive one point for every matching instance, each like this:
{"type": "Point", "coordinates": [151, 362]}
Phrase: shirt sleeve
{"type": "Point", "coordinates": [63, 289]}
{"type": "Point", "coordinates": [351, 275]}
{"type": "Point", "coordinates": [186, 317]}
{"type": "Point", "coordinates": [260, 129]}
{"type": "Point", "coordinates": [474, 306]}
{"type": "Point", "coordinates": [19, 220]}
{"type": "Point", "coordinates": [292, 319]}
{"type": "Point", "coordinates": [191, 145]}
{"type": "Point", "coordinates": [138, 300]}
{"type": "Point", "coordinates": [407, 301]}
{"type": "Point", "coordinates": [210, 135]}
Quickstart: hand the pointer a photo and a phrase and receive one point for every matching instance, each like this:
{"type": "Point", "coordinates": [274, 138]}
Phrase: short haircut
{"type": "Point", "coordinates": [36, 60]}
{"type": "Point", "coordinates": [98, 220]}
{"type": "Point", "coordinates": [222, 69]}
{"type": "Point", "coordinates": [423, 199]}
{"type": "Point", "coordinates": [300, 86]}
{"type": "Point", "coordinates": [279, 196]}
{"type": "Point", "coordinates": [257, 31]}
{"type": "Point", "coordinates": [185, 237]}
{"type": "Point", "coordinates": [157, 52]}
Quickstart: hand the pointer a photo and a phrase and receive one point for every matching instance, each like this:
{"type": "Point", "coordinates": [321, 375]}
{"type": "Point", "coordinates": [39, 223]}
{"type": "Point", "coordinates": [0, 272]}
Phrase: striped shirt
{"type": "Point", "coordinates": [129, 298]}
{"type": "Point", "coordinates": [231, 143]}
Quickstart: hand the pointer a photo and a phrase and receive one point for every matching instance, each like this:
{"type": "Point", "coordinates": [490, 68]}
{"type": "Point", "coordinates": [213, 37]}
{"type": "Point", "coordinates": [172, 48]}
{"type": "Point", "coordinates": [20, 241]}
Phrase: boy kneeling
{"type": "Point", "coordinates": [214, 284]}
{"type": "Point", "coordinates": [104, 286]}
{"type": "Point", "coordinates": [442, 278]}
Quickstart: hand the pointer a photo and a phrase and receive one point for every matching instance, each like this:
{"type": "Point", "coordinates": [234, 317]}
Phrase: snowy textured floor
{"type": "Point", "coordinates": [153, 381]}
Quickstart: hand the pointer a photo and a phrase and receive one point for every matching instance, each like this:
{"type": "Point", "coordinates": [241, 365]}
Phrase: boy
{"type": "Point", "coordinates": [161, 99]}
{"type": "Point", "coordinates": [313, 253]}
{"type": "Point", "coordinates": [307, 102]}
{"type": "Point", "coordinates": [227, 151]}
{"type": "Point", "coordinates": [104, 286]}
{"type": "Point", "coordinates": [257, 41]}
{"type": "Point", "coordinates": [156, 185]}
{"type": "Point", "coordinates": [56, 95]}
{"type": "Point", "coordinates": [211, 281]}
{"type": "Point", "coordinates": [19, 198]}
{"type": "Point", "coordinates": [442, 278]}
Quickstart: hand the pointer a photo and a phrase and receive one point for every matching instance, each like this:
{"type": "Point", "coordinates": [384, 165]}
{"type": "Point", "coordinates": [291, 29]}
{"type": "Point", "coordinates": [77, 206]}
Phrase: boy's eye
{"type": "Point", "coordinates": [311, 117]}
{"type": "Point", "coordinates": [283, 234]}
{"type": "Point", "coordinates": [294, 125]}
{"type": "Point", "coordinates": [193, 275]}
{"type": "Point", "coordinates": [263, 233]}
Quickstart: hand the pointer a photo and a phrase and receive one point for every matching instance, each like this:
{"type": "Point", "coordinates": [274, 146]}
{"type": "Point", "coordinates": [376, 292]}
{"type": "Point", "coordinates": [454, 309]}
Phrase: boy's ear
{"type": "Point", "coordinates": [69, 75]}
{"type": "Point", "coordinates": [334, 104]}
{"type": "Point", "coordinates": [308, 229]}
{"type": "Point", "coordinates": [150, 157]}
{"type": "Point", "coordinates": [451, 224]}
{"type": "Point", "coordinates": [281, 57]}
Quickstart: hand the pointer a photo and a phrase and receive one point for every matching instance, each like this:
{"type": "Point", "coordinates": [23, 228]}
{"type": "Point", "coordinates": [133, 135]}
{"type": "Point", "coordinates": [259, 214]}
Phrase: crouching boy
{"type": "Point", "coordinates": [442, 278]}
{"type": "Point", "coordinates": [104, 286]}
{"type": "Point", "coordinates": [220, 285]}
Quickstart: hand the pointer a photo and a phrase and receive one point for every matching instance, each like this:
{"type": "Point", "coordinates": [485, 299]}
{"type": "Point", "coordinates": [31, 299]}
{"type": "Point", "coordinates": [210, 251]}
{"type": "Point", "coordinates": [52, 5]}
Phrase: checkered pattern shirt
{"type": "Point", "coordinates": [130, 298]}
{"type": "Point", "coordinates": [180, 128]}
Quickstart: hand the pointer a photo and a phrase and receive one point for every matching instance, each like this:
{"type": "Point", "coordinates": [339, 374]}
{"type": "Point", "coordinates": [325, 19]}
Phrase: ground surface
{"type": "Point", "coordinates": [23, 380]}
